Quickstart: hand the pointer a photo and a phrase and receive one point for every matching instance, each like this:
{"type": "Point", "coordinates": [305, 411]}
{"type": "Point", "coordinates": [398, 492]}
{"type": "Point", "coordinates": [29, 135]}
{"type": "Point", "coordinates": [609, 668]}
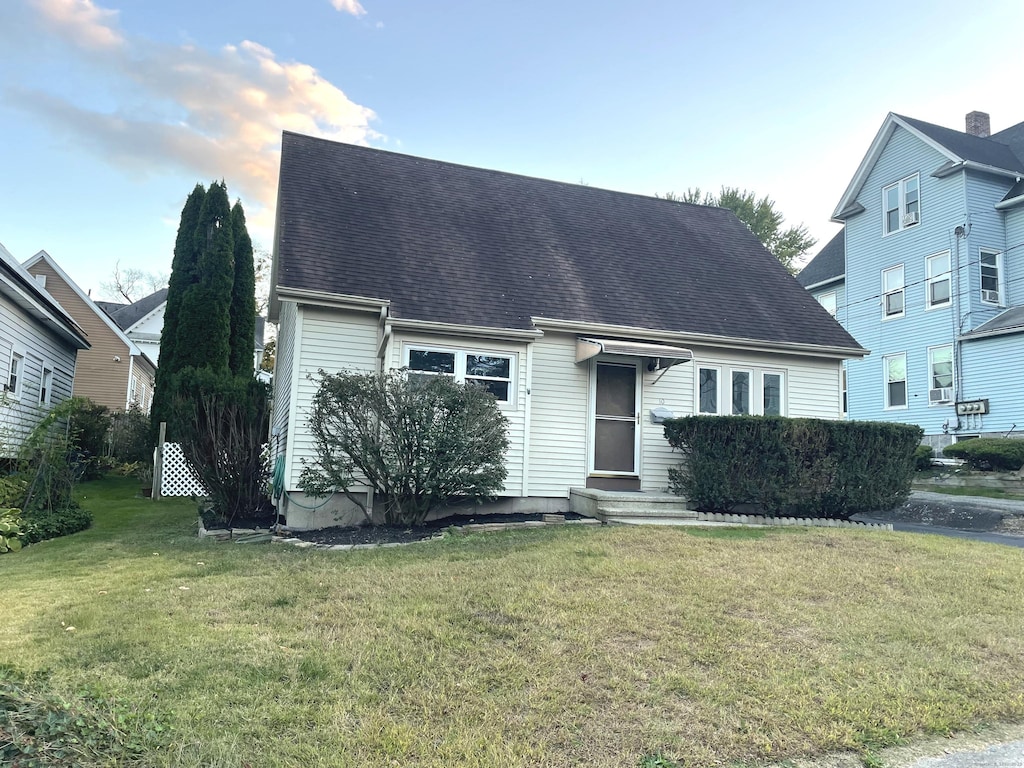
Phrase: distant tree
{"type": "Point", "coordinates": [132, 283]}
{"type": "Point", "coordinates": [262, 265]}
{"type": "Point", "coordinates": [184, 274]}
{"type": "Point", "coordinates": [269, 354]}
{"type": "Point", "coordinates": [761, 218]}
{"type": "Point", "coordinates": [203, 338]}
{"type": "Point", "coordinates": [243, 297]}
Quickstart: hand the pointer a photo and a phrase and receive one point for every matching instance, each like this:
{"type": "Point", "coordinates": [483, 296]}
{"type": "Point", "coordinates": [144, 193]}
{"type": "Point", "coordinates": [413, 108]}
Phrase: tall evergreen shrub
{"type": "Point", "coordinates": [243, 297]}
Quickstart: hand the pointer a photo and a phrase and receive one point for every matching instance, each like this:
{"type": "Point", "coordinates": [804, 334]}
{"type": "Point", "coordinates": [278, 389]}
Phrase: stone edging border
{"type": "Point", "coordinates": [261, 535]}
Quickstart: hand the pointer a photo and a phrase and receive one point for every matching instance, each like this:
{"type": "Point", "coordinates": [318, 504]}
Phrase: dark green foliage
{"type": "Point", "coordinates": [88, 425]}
{"type": "Point", "coordinates": [243, 298]}
{"type": "Point", "coordinates": [792, 467]}
{"type": "Point", "coordinates": [923, 458]}
{"type": "Point", "coordinates": [988, 453]}
{"type": "Point", "coordinates": [12, 529]}
{"type": "Point", "coordinates": [43, 524]}
{"type": "Point", "coordinates": [222, 421]}
{"type": "Point", "coordinates": [128, 440]}
{"type": "Point", "coordinates": [184, 273]}
{"type": "Point", "coordinates": [417, 440]}
{"type": "Point", "coordinates": [204, 326]}
{"type": "Point", "coordinates": [40, 729]}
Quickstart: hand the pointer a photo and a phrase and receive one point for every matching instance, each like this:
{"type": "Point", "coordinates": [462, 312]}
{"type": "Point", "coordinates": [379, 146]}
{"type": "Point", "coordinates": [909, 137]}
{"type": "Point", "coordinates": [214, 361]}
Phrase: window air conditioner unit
{"type": "Point", "coordinates": [940, 395]}
{"type": "Point", "coordinates": [909, 218]}
{"type": "Point", "coordinates": [990, 296]}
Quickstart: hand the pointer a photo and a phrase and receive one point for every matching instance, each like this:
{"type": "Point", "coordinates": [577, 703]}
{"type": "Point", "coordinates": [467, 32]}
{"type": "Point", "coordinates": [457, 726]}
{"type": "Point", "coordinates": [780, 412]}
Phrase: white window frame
{"type": "Point", "coordinates": [932, 278]}
{"type": "Point", "coordinates": [17, 357]}
{"type": "Point", "coordinates": [931, 375]}
{"type": "Point", "coordinates": [886, 382]}
{"type": "Point", "coordinates": [750, 391]}
{"type": "Point", "coordinates": [904, 208]}
{"type": "Point", "coordinates": [460, 366]}
{"type": "Point", "coordinates": [1000, 289]}
{"type": "Point", "coordinates": [782, 392]}
{"type": "Point", "coordinates": [886, 293]}
{"type": "Point", "coordinates": [133, 390]}
{"type": "Point", "coordinates": [718, 390]}
{"type": "Point", "coordinates": [844, 392]}
{"type": "Point", "coordinates": [829, 301]}
{"type": "Point", "coordinates": [46, 384]}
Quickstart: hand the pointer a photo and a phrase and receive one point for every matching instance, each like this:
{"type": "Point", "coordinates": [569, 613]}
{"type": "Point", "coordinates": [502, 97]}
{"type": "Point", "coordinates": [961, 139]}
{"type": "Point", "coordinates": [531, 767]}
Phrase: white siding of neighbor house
{"type": "Point", "coordinates": [332, 340]}
{"type": "Point", "coordinates": [515, 411]}
{"type": "Point", "coordinates": [672, 389]}
{"type": "Point", "coordinates": [558, 417]}
{"type": "Point", "coordinates": [39, 349]}
{"type": "Point", "coordinates": [283, 362]}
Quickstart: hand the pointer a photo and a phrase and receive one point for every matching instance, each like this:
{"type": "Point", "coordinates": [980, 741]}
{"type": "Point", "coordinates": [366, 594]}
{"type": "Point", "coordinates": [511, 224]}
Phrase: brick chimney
{"type": "Point", "coordinates": [978, 124]}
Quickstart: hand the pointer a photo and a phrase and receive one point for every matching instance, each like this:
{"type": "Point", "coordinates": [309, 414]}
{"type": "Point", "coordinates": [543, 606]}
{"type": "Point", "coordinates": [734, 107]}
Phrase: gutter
{"type": "Point", "coordinates": [458, 329]}
{"type": "Point", "coordinates": [333, 300]}
{"type": "Point", "coordinates": [731, 342]}
{"type": "Point", "coordinates": [823, 283]}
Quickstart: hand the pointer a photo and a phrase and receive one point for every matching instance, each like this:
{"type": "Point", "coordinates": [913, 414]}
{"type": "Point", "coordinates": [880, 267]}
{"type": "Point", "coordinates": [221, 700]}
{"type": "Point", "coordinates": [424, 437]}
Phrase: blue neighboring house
{"type": "Point", "coordinates": [928, 274]}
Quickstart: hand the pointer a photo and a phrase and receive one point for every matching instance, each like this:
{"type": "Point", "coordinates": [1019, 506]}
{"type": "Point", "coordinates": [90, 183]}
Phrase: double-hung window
{"type": "Point", "coordinates": [937, 290]}
{"type": "Point", "coordinates": [828, 301]}
{"type": "Point", "coordinates": [493, 372]}
{"type": "Point", "coordinates": [901, 204]}
{"type": "Point", "coordinates": [893, 292]}
{"type": "Point", "coordinates": [895, 367]}
{"type": "Point", "coordinates": [46, 386]}
{"type": "Point", "coordinates": [940, 374]}
{"type": "Point", "coordinates": [15, 374]}
{"type": "Point", "coordinates": [991, 277]}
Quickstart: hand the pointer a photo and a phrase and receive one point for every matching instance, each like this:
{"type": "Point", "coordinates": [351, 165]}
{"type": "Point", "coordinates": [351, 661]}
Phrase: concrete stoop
{"type": "Point", "coordinates": [631, 507]}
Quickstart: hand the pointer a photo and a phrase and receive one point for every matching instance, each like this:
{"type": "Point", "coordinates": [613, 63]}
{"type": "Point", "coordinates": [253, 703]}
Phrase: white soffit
{"type": "Point", "coordinates": [662, 355]}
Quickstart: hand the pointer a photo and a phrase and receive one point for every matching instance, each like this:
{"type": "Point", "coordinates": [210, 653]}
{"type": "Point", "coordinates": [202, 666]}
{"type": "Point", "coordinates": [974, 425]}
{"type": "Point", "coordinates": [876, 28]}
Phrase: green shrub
{"type": "Point", "coordinates": [11, 530]}
{"type": "Point", "coordinates": [923, 457]}
{"type": "Point", "coordinates": [43, 524]}
{"type": "Point", "coordinates": [794, 467]}
{"type": "Point", "coordinates": [985, 453]}
{"type": "Point", "coordinates": [418, 441]}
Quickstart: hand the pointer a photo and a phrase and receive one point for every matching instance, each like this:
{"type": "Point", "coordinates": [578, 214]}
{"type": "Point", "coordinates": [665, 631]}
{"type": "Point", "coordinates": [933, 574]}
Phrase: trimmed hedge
{"type": "Point", "coordinates": [923, 457]}
{"type": "Point", "coordinates": [42, 524]}
{"type": "Point", "coordinates": [792, 467]}
{"type": "Point", "coordinates": [998, 453]}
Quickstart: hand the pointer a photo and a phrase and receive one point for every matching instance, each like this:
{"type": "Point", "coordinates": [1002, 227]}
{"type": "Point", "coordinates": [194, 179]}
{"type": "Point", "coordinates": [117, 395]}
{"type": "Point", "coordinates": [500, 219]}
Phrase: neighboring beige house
{"type": "Point", "coordinates": [114, 371]}
{"type": "Point", "coordinates": [39, 343]}
{"type": "Point", "coordinates": [590, 315]}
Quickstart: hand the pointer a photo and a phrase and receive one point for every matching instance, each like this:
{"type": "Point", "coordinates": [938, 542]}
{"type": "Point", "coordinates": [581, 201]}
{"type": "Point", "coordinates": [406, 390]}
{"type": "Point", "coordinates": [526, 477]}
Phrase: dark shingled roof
{"type": "Point", "coordinates": [829, 264]}
{"type": "Point", "coordinates": [987, 151]}
{"type": "Point", "coordinates": [129, 314]}
{"type": "Point", "coordinates": [1010, 321]}
{"type": "Point", "coordinates": [453, 244]}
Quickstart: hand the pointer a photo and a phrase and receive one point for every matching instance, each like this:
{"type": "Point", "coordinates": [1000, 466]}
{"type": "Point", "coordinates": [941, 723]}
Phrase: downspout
{"type": "Point", "coordinates": [958, 234]}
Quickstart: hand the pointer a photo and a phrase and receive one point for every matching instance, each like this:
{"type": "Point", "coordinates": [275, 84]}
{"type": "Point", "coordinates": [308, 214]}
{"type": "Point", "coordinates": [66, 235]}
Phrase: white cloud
{"type": "Point", "coordinates": [216, 114]}
{"type": "Point", "coordinates": [349, 6]}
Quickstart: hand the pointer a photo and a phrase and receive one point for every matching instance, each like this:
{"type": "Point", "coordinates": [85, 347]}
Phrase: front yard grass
{"type": "Point", "coordinates": [545, 647]}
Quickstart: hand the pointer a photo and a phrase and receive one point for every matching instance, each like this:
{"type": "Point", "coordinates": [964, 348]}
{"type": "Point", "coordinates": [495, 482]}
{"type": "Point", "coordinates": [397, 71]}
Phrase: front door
{"type": "Point", "coordinates": [616, 410]}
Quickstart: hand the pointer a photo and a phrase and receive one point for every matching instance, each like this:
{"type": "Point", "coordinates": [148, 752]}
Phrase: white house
{"type": "Point", "coordinates": [39, 344]}
{"type": "Point", "coordinates": [589, 314]}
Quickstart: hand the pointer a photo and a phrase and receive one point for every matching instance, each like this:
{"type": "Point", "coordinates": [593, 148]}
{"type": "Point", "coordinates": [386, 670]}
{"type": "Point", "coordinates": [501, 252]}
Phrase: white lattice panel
{"type": "Point", "coordinates": [177, 479]}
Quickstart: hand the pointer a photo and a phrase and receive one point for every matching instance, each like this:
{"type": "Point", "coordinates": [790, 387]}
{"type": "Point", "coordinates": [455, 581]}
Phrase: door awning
{"type": "Point", "coordinates": [658, 356]}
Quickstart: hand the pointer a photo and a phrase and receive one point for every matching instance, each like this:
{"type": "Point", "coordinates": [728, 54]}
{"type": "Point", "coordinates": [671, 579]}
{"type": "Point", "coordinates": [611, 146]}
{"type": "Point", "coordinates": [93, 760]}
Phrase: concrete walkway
{"type": "Point", "coordinates": [998, 756]}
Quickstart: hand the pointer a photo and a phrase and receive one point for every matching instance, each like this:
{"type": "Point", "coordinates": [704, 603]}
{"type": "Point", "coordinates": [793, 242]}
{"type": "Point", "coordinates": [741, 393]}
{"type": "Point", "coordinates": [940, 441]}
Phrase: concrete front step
{"type": "Point", "coordinates": [630, 507]}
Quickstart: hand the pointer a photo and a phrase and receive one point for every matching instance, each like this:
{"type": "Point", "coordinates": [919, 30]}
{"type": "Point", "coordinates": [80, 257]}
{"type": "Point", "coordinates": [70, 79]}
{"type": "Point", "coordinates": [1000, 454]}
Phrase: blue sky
{"type": "Point", "coordinates": [112, 110]}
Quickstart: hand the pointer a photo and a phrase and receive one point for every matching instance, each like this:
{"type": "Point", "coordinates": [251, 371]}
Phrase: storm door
{"type": "Point", "coordinates": [616, 410]}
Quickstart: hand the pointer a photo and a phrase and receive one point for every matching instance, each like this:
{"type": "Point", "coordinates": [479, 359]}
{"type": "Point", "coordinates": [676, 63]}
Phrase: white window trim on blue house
{"type": "Point", "coordinates": [907, 211]}
{"type": "Point", "coordinates": [829, 301]}
{"type": "Point", "coordinates": [938, 271]}
{"type": "Point", "coordinates": [887, 380]}
{"type": "Point", "coordinates": [940, 385]}
{"type": "Point", "coordinates": [986, 293]}
{"type": "Point", "coordinates": [891, 288]}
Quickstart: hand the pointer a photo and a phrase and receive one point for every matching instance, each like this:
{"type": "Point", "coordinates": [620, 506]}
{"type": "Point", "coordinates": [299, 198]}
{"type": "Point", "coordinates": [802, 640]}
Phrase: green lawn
{"type": "Point", "coordinates": [565, 646]}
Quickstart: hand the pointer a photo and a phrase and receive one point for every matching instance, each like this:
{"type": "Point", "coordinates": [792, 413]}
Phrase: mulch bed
{"type": "Point", "coordinates": [387, 534]}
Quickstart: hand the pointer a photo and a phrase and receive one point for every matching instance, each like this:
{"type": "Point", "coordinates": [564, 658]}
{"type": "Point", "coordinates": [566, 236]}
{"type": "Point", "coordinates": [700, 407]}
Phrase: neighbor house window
{"type": "Point", "coordinates": [490, 371]}
{"type": "Point", "coordinates": [133, 391]}
{"type": "Point", "coordinates": [937, 293]}
{"type": "Point", "coordinates": [16, 372]}
{"type": "Point", "coordinates": [991, 277]}
{"type": "Point", "coordinates": [46, 387]}
{"type": "Point", "coordinates": [895, 380]}
{"type": "Point", "coordinates": [901, 204]}
{"type": "Point", "coordinates": [708, 387]}
{"type": "Point", "coordinates": [771, 387]}
{"type": "Point", "coordinates": [893, 292]}
{"type": "Point", "coordinates": [940, 371]}
{"type": "Point", "coordinates": [828, 301]}
{"type": "Point", "coordinates": [843, 387]}
{"type": "Point", "coordinates": [741, 393]}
